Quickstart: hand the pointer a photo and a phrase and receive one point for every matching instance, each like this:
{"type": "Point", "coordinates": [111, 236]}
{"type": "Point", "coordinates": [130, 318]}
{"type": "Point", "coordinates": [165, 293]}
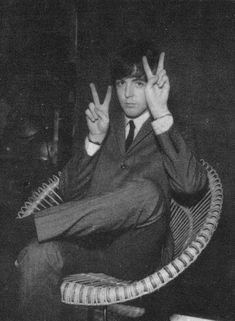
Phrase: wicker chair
{"type": "Point", "coordinates": [192, 229]}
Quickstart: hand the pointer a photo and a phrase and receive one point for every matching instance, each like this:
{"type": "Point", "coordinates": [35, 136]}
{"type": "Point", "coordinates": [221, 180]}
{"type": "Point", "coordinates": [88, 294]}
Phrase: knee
{"type": "Point", "coordinates": [149, 192]}
{"type": "Point", "coordinates": [40, 255]}
{"type": "Point", "coordinates": [152, 189]}
{"type": "Point", "coordinates": [152, 202]}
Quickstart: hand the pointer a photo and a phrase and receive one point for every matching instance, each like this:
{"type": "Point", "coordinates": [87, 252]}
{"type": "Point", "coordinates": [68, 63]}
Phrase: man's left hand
{"type": "Point", "coordinates": [157, 88]}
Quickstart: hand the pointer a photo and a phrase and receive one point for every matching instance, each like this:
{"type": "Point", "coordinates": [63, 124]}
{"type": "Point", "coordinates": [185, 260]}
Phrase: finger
{"type": "Point", "coordinates": [89, 115]}
{"type": "Point", "coordinates": [95, 94]}
{"type": "Point", "coordinates": [101, 114]}
{"type": "Point", "coordinates": [93, 110]}
{"type": "Point", "coordinates": [152, 81]}
{"type": "Point", "coordinates": [108, 95]}
{"type": "Point", "coordinates": [161, 74]}
{"type": "Point", "coordinates": [147, 68]}
{"type": "Point", "coordinates": [161, 62]}
{"type": "Point", "coordinates": [163, 81]}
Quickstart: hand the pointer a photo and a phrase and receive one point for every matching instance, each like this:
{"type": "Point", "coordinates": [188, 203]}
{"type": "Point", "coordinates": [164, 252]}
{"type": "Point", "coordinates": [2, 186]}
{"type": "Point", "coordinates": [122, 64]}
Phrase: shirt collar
{"type": "Point", "coordinates": [139, 121]}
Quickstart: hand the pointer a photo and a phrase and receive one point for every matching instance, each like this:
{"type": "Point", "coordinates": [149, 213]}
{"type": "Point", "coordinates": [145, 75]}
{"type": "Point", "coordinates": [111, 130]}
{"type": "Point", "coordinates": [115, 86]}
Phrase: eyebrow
{"type": "Point", "coordinates": [138, 78]}
{"type": "Point", "coordinates": [133, 78]}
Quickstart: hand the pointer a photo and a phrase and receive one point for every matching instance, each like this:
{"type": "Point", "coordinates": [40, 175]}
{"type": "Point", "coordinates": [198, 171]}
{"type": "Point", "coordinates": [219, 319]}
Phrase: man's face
{"type": "Point", "coordinates": [131, 96]}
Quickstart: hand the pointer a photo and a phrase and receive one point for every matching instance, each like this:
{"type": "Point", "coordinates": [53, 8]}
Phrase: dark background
{"type": "Point", "coordinates": [50, 51]}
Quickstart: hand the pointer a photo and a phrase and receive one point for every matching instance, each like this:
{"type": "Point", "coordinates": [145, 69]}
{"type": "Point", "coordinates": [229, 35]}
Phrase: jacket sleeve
{"type": "Point", "coordinates": [76, 175]}
{"type": "Point", "coordinates": [187, 177]}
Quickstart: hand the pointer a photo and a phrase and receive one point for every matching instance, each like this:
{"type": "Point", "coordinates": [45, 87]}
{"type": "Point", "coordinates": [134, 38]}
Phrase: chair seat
{"type": "Point", "coordinates": [94, 289]}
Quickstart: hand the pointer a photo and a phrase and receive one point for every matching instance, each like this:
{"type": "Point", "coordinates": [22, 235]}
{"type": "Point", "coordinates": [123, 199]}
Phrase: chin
{"type": "Point", "coordinates": [133, 114]}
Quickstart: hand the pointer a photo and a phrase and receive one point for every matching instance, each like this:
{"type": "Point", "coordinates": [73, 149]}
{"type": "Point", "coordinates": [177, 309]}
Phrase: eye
{"type": "Point", "coordinates": [120, 83]}
{"type": "Point", "coordinates": [139, 84]}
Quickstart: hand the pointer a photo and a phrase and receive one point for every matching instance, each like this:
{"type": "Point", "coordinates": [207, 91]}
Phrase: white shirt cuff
{"type": "Point", "coordinates": [91, 148]}
{"type": "Point", "coordinates": [162, 125]}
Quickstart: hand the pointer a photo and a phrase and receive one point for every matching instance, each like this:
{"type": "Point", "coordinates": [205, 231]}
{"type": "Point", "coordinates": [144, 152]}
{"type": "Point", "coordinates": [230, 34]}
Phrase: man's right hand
{"type": "Point", "coordinates": [97, 116]}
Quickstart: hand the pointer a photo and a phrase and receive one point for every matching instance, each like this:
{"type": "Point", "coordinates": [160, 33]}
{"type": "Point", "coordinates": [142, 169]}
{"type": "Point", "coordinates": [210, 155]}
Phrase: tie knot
{"type": "Point", "coordinates": [131, 124]}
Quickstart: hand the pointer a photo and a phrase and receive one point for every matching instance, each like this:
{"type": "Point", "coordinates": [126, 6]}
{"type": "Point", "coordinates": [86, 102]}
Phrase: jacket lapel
{"type": "Point", "coordinates": [118, 129]}
{"type": "Point", "coordinates": [145, 130]}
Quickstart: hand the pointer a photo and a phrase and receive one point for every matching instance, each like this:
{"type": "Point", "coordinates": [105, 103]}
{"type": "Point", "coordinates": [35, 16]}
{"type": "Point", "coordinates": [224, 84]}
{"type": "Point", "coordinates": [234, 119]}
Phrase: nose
{"type": "Point", "coordinates": [128, 90]}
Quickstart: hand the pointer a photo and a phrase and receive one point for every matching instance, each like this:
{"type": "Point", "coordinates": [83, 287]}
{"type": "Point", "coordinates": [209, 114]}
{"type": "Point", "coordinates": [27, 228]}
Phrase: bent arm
{"type": "Point", "coordinates": [187, 177]}
{"type": "Point", "coordinates": [76, 175]}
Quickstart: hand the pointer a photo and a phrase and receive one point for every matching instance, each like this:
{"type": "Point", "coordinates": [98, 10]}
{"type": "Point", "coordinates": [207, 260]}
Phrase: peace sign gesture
{"type": "Point", "coordinates": [157, 88]}
{"type": "Point", "coordinates": [97, 115]}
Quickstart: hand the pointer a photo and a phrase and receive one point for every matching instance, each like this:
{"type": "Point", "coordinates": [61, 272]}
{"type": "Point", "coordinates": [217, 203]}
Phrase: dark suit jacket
{"type": "Point", "coordinates": [164, 160]}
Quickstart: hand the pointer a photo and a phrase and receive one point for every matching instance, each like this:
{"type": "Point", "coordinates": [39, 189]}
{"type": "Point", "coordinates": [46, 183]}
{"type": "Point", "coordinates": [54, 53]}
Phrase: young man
{"type": "Point", "coordinates": [117, 190]}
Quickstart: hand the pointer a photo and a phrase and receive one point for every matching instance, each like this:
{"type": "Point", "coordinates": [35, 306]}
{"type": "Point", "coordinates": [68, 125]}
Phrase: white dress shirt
{"type": "Point", "coordinates": [159, 126]}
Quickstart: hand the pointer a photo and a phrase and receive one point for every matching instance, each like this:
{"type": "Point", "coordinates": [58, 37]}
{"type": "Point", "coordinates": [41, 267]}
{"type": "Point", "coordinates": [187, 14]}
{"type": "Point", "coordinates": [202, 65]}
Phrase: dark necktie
{"type": "Point", "coordinates": [130, 136]}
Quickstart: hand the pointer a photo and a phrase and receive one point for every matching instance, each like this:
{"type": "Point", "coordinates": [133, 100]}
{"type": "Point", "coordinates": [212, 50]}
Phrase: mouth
{"type": "Point", "coordinates": [130, 104]}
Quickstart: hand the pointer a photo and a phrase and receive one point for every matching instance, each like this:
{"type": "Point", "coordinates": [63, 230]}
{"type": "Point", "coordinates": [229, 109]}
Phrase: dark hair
{"type": "Point", "coordinates": [128, 59]}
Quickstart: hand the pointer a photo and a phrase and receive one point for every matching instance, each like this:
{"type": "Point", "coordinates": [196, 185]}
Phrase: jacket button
{"type": "Point", "coordinates": [123, 166]}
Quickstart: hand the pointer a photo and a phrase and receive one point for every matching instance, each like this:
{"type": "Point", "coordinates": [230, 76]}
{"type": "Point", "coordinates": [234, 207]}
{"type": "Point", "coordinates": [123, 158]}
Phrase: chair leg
{"type": "Point", "coordinates": [105, 314]}
{"type": "Point", "coordinates": [90, 314]}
